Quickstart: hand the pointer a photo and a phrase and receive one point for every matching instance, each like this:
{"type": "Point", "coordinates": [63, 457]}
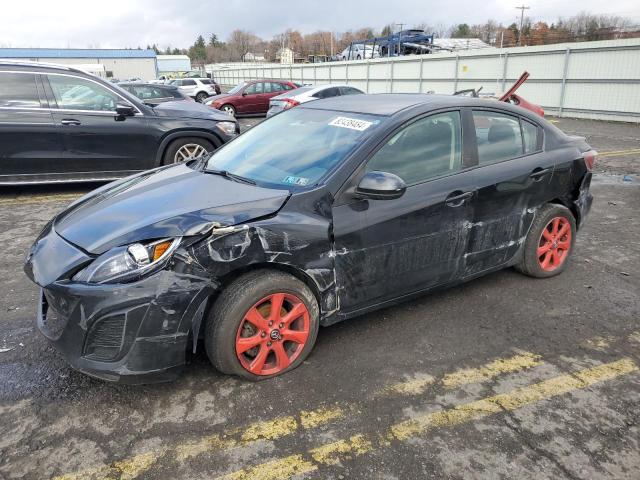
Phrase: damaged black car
{"type": "Point", "coordinates": [322, 213]}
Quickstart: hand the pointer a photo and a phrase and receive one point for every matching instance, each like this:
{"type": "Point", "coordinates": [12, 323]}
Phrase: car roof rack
{"type": "Point", "coordinates": [29, 63]}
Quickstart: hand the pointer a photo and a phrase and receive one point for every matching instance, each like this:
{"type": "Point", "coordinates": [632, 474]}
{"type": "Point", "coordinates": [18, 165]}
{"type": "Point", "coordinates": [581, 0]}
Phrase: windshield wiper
{"type": "Point", "coordinates": [231, 176]}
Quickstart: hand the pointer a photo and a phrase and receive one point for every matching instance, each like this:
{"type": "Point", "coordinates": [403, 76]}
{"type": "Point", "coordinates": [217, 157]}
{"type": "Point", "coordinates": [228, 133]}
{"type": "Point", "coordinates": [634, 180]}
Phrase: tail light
{"type": "Point", "coordinates": [290, 103]}
{"type": "Point", "coordinates": [590, 158]}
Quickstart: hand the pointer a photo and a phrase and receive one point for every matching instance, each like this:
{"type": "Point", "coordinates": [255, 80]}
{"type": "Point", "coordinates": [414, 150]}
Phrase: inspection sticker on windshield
{"type": "Point", "coordinates": [352, 123]}
{"type": "Point", "coordinates": [291, 180]}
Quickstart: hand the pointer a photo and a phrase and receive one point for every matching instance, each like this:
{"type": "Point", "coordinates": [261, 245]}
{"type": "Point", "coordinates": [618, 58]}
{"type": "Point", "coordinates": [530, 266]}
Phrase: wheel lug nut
{"type": "Point", "coordinates": [268, 344]}
{"type": "Point", "coordinates": [270, 323]}
{"type": "Point", "coordinates": [281, 325]}
{"type": "Point", "coordinates": [263, 334]}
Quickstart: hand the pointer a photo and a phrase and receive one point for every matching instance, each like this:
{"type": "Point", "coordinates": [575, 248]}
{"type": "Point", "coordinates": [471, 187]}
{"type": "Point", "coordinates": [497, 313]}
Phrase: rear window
{"type": "Point", "coordinates": [18, 90]}
{"type": "Point", "coordinates": [205, 81]}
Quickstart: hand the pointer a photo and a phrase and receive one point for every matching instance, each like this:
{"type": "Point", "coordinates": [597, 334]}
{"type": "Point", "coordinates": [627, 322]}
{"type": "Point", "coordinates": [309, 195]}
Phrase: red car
{"type": "Point", "coordinates": [510, 97]}
{"type": "Point", "coordinates": [250, 98]}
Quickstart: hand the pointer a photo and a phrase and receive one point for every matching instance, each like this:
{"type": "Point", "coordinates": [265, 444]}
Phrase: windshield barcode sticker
{"type": "Point", "coordinates": [352, 123]}
{"type": "Point", "coordinates": [291, 180]}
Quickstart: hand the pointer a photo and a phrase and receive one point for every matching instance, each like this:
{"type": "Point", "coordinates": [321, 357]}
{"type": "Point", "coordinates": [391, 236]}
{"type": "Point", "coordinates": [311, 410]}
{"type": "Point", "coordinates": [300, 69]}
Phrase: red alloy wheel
{"type": "Point", "coordinates": [272, 334]}
{"type": "Point", "coordinates": [554, 244]}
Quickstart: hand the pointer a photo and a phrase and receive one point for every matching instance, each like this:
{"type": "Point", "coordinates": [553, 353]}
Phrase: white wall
{"type": "Point", "coordinates": [599, 80]}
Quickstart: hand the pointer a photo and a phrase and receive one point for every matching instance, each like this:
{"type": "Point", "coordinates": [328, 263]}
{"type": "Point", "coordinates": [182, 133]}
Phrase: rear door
{"type": "Point", "coordinates": [95, 139]}
{"type": "Point", "coordinates": [513, 177]}
{"type": "Point", "coordinates": [30, 141]}
{"type": "Point", "coordinates": [389, 248]}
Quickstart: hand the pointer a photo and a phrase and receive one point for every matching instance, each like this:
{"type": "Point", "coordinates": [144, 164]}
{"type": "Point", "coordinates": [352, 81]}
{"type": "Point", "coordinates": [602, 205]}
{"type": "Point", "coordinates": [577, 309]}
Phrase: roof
{"type": "Point", "coordinates": [75, 53]}
{"type": "Point", "coordinates": [388, 104]}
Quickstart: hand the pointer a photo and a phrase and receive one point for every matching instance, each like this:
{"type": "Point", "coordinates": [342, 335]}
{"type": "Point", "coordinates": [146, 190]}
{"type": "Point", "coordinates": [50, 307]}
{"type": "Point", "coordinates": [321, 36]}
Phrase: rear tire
{"type": "Point", "coordinates": [549, 243]}
{"type": "Point", "coordinates": [231, 325]}
{"type": "Point", "coordinates": [186, 148]}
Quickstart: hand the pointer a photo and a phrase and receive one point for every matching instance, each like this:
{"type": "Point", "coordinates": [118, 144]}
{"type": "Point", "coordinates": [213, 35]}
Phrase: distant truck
{"type": "Point", "coordinates": [405, 42]}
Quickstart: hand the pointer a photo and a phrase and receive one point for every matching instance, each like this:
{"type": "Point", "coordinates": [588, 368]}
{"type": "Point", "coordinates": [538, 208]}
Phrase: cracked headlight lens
{"type": "Point", "coordinates": [228, 128]}
{"type": "Point", "coordinates": [129, 262]}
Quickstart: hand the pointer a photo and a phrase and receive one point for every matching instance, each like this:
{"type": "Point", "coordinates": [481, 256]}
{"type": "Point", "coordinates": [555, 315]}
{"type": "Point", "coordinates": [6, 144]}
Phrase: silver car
{"type": "Point", "coordinates": [307, 94]}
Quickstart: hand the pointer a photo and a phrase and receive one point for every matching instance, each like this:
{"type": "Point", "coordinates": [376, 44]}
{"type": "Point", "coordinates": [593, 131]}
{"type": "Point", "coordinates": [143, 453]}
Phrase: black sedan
{"type": "Point", "coordinates": [368, 200]}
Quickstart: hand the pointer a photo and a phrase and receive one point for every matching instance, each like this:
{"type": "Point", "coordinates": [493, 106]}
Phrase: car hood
{"type": "Point", "coordinates": [186, 109]}
{"type": "Point", "coordinates": [213, 98]}
{"type": "Point", "coordinates": [166, 202]}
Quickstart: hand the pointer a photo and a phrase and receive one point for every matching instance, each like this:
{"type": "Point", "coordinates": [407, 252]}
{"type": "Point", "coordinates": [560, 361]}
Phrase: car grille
{"type": "Point", "coordinates": [50, 321]}
{"type": "Point", "coordinates": [105, 338]}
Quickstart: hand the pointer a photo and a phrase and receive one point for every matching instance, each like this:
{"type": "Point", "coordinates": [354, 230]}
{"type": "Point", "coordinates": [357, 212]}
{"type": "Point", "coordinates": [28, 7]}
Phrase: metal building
{"type": "Point", "coordinates": [168, 64]}
{"type": "Point", "coordinates": [116, 63]}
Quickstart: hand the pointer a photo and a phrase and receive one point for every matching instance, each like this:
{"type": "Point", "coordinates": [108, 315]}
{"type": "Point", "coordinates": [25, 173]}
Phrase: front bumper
{"type": "Point", "coordinates": [137, 332]}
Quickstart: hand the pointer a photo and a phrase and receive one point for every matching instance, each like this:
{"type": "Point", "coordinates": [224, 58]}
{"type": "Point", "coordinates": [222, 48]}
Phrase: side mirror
{"type": "Point", "coordinates": [380, 186]}
{"type": "Point", "coordinates": [244, 94]}
{"type": "Point", "coordinates": [125, 110]}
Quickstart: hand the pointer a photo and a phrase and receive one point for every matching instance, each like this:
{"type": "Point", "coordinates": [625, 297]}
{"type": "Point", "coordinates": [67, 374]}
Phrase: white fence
{"type": "Point", "coordinates": [598, 80]}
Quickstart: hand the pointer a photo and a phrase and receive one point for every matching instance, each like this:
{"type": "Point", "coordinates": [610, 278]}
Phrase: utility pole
{"type": "Point", "coordinates": [401, 25]}
{"type": "Point", "coordinates": [522, 9]}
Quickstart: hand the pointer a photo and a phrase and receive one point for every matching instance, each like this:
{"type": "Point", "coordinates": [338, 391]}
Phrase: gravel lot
{"type": "Point", "coordinates": [503, 377]}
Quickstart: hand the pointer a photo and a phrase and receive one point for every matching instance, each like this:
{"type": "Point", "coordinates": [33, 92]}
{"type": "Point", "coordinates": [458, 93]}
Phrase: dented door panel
{"type": "Point", "coordinates": [389, 248]}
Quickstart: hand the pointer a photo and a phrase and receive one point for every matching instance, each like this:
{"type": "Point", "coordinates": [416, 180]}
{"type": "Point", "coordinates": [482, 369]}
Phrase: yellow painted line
{"type": "Point", "coordinates": [498, 367]}
{"type": "Point", "coordinates": [619, 153]}
{"type": "Point", "coordinates": [334, 452]}
{"type": "Point", "coordinates": [284, 426]}
{"type": "Point", "coordinates": [263, 430]}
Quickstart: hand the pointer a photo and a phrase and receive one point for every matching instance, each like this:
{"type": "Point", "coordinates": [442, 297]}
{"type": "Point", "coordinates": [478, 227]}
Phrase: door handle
{"type": "Point", "coordinates": [457, 198]}
{"type": "Point", "coordinates": [70, 121]}
{"type": "Point", "coordinates": [538, 173]}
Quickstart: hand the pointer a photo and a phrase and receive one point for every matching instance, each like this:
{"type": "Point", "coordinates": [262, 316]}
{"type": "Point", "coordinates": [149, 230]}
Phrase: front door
{"type": "Point", "coordinates": [251, 98]}
{"type": "Point", "coordinates": [512, 176]}
{"type": "Point", "coordinates": [389, 248]}
{"type": "Point", "coordinates": [96, 140]}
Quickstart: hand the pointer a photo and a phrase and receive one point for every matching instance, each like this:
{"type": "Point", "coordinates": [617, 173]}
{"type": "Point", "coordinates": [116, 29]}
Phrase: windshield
{"type": "Point", "coordinates": [237, 88]}
{"type": "Point", "coordinates": [296, 148]}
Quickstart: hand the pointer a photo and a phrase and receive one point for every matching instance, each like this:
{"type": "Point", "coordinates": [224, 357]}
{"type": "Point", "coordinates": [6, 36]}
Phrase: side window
{"type": "Point", "coordinates": [266, 87]}
{"type": "Point", "coordinates": [331, 92]}
{"type": "Point", "coordinates": [427, 148]}
{"type": "Point", "coordinates": [18, 90]}
{"type": "Point", "coordinates": [205, 81]}
{"type": "Point", "coordinates": [254, 89]}
{"type": "Point", "coordinates": [349, 91]}
{"type": "Point", "coordinates": [287, 86]}
{"type": "Point", "coordinates": [277, 87]}
{"type": "Point", "coordinates": [75, 93]}
{"type": "Point", "coordinates": [498, 136]}
{"type": "Point", "coordinates": [188, 83]}
{"type": "Point", "coordinates": [530, 135]}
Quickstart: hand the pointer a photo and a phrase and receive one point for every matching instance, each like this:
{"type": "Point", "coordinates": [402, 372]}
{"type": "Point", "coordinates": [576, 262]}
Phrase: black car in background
{"type": "Point", "coordinates": [153, 94]}
{"type": "Point", "coordinates": [59, 124]}
{"type": "Point", "coordinates": [367, 200]}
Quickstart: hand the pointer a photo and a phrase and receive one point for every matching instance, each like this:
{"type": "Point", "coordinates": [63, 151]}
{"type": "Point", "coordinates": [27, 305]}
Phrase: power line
{"type": "Point", "coordinates": [522, 9]}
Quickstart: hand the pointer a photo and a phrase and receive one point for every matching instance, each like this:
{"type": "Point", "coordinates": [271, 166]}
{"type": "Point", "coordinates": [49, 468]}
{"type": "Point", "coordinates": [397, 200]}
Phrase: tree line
{"type": "Point", "coordinates": [242, 45]}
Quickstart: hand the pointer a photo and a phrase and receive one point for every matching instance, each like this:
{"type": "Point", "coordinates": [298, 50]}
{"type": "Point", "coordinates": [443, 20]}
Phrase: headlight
{"type": "Point", "coordinates": [227, 127]}
{"type": "Point", "coordinates": [129, 262]}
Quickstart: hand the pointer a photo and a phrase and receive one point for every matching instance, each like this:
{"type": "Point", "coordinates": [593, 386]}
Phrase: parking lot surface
{"type": "Point", "coordinates": [503, 377]}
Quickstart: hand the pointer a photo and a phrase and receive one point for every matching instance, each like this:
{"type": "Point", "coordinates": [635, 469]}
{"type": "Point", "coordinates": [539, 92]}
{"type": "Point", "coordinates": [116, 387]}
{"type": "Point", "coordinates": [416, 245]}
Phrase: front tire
{"type": "Point", "coordinates": [201, 97]}
{"type": "Point", "coordinates": [229, 110]}
{"type": "Point", "coordinates": [549, 243]}
{"type": "Point", "coordinates": [186, 148]}
{"type": "Point", "coordinates": [262, 325]}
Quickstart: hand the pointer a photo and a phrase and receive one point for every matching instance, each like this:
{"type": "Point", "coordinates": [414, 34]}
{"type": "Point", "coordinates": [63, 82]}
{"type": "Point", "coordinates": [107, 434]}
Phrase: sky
{"type": "Point", "coordinates": [176, 23]}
